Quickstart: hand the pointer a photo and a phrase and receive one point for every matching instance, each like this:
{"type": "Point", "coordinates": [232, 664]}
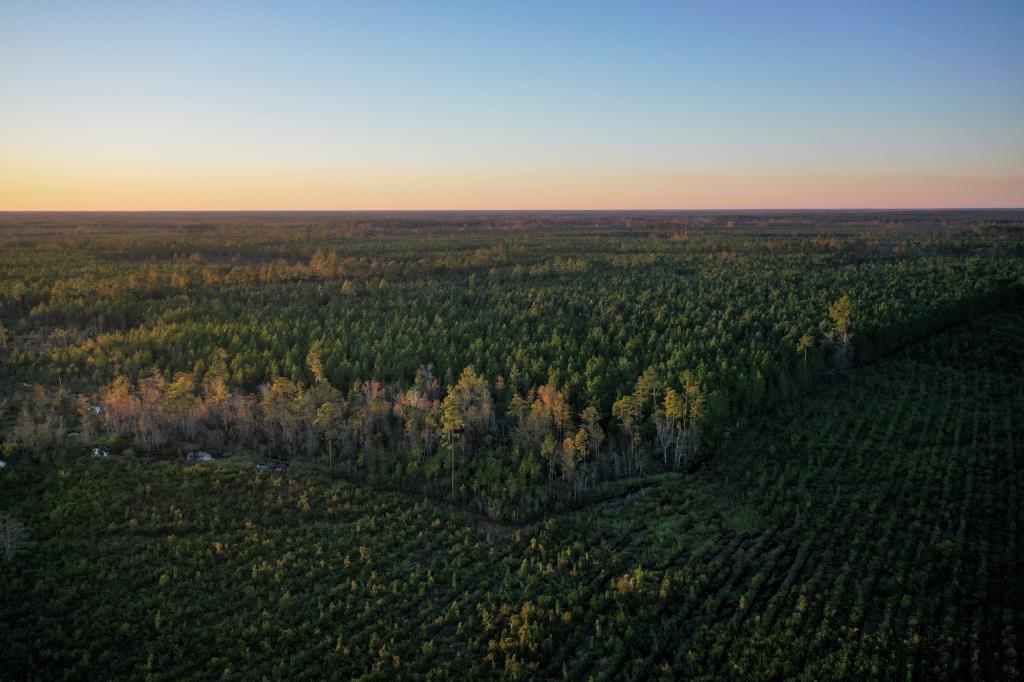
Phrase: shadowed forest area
{"type": "Point", "coordinates": [573, 445]}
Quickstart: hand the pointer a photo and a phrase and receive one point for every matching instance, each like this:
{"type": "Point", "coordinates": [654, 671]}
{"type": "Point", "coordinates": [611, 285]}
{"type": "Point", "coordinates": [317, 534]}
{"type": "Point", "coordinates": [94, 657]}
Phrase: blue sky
{"type": "Point", "coordinates": [472, 104]}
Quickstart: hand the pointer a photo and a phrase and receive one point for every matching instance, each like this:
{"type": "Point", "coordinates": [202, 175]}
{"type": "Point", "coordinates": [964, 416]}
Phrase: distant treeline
{"type": "Point", "coordinates": [510, 371]}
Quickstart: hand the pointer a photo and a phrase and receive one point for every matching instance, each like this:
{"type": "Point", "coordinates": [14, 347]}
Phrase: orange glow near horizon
{"type": "Point", "coordinates": [650, 105]}
{"type": "Point", "coordinates": [42, 189]}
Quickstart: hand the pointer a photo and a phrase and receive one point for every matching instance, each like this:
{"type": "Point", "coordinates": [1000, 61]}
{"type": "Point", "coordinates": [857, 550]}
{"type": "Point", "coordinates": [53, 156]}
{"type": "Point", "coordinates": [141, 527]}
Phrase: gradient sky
{"type": "Point", "coordinates": [388, 105]}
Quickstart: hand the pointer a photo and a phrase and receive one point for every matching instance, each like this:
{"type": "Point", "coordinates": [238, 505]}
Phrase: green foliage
{"type": "Point", "coordinates": [865, 531]}
{"type": "Point", "coordinates": [657, 334]}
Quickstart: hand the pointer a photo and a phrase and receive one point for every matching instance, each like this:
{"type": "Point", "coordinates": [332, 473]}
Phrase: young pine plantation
{"type": "Point", "coordinates": [569, 446]}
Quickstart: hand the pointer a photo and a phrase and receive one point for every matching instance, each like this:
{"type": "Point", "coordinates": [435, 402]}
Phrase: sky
{"type": "Point", "coordinates": [511, 105]}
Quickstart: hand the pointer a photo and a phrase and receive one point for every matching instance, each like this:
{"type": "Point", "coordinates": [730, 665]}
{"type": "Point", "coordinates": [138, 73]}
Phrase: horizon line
{"type": "Point", "coordinates": [518, 210]}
